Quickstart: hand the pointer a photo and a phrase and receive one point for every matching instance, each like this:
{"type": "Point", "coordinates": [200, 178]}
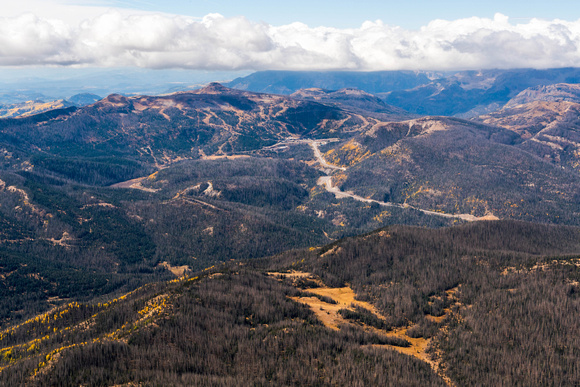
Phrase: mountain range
{"type": "Point", "coordinates": [465, 93]}
{"type": "Point", "coordinates": [437, 202]}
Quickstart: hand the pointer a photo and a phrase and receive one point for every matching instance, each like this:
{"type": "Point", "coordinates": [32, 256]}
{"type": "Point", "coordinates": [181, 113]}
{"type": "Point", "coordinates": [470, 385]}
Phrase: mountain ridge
{"type": "Point", "coordinates": [422, 92]}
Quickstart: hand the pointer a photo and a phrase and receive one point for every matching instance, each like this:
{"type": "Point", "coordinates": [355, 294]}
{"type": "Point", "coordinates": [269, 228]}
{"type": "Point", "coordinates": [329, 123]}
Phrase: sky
{"type": "Point", "coordinates": [225, 35]}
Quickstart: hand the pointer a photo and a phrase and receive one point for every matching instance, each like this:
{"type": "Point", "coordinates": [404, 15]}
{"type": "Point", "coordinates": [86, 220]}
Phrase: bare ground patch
{"type": "Point", "coordinates": [344, 298]}
{"type": "Point", "coordinates": [178, 271]}
{"type": "Point", "coordinates": [134, 184]}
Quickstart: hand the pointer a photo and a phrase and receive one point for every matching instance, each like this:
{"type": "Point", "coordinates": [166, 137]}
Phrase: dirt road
{"type": "Point", "coordinates": [326, 182]}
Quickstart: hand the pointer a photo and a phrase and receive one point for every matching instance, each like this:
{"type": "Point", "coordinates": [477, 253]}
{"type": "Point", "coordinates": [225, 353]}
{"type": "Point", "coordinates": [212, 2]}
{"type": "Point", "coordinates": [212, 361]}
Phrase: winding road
{"type": "Point", "coordinates": [314, 145]}
{"type": "Point", "coordinates": [326, 182]}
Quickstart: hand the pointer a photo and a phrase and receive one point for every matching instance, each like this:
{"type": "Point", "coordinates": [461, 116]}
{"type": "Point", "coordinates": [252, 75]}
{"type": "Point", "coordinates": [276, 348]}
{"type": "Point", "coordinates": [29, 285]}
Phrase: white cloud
{"type": "Point", "coordinates": [219, 43]}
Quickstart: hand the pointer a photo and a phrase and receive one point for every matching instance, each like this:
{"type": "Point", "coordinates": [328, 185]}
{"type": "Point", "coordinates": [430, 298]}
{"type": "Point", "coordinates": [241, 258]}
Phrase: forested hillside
{"type": "Point", "coordinates": [506, 294]}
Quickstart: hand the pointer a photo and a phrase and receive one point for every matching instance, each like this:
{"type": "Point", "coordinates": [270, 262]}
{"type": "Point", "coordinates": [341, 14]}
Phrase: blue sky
{"type": "Point", "coordinates": [410, 14]}
{"type": "Point", "coordinates": [350, 14]}
{"type": "Point", "coordinates": [226, 35]}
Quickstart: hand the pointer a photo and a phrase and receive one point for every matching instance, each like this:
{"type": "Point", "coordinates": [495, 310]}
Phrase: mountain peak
{"type": "Point", "coordinates": [311, 92]}
{"type": "Point", "coordinates": [214, 88]}
{"type": "Point", "coordinates": [113, 100]}
{"type": "Point", "coordinates": [116, 98]}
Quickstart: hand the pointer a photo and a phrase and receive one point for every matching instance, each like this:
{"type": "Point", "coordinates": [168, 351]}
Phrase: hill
{"type": "Point", "coordinates": [158, 130]}
{"type": "Point", "coordinates": [551, 93]}
{"type": "Point", "coordinates": [455, 167]}
{"type": "Point", "coordinates": [354, 100]}
{"type": "Point", "coordinates": [548, 125]}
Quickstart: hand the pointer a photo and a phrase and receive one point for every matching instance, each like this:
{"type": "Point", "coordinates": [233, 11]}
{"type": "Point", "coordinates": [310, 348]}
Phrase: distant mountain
{"type": "Point", "coordinates": [466, 91]}
{"type": "Point", "coordinates": [11, 97]}
{"type": "Point", "coordinates": [28, 108]}
{"type": "Point", "coordinates": [288, 82]}
{"type": "Point", "coordinates": [552, 93]}
{"type": "Point", "coordinates": [83, 99]}
{"type": "Point", "coordinates": [549, 129]}
{"type": "Point", "coordinates": [56, 83]}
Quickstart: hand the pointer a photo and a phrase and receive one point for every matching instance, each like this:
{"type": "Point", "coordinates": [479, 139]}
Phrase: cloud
{"type": "Point", "coordinates": [219, 43]}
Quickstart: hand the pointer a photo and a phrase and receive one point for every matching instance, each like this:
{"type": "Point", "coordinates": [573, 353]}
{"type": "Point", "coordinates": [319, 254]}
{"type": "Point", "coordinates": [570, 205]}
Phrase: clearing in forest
{"type": "Point", "coordinates": [344, 298]}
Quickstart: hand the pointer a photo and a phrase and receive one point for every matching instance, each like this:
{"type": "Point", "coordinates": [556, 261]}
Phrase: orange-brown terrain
{"type": "Point", "coordinates": [345, 298]}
